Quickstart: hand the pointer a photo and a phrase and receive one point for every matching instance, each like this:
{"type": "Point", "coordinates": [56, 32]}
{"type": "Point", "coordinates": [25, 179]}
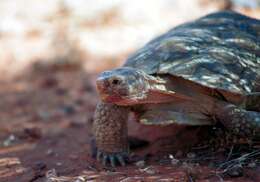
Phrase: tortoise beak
{"type": "Point", "coordinates": [102, 86]}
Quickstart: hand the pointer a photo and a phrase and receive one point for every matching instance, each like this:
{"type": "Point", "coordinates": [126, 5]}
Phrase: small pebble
{"type": "Point", "coordinates": [9, 140]}
{"type": "Point", "coordinates": [132, 179]}
{"type": "Point", "coordinates": [140, 164]}
{"type": "Point", "coordinates": [149, 170]}
{"type": "Point", "coordinates": [175, 161]}
{"type": "Point", "coordinates": [59, 164]}
{"type": "Point", "coordinates": [80, 179]}
{"type": "Point", "coordinates": [252, 165]}
{"type": "Point", "coordinates": [50, 152]}
{"type": "Point", "coordinates": [191, 155]}
{"type": "Point", "coordinates": [236, 171]}
{"type": "Point", "coordinates": [51, 174]}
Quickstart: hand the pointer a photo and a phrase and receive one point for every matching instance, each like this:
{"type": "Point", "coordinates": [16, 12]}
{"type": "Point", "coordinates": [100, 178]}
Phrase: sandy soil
{"type": "Point", "coordinates": [46, 114]}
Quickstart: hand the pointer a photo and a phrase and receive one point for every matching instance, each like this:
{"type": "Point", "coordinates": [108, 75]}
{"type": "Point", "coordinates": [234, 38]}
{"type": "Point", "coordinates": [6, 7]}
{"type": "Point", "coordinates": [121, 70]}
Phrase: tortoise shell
{"type": "Point", "coordinates": [220, 51]}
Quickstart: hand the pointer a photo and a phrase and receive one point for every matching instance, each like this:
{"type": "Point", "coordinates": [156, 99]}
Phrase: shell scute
{"type": "Point", "coordinates": [220, 50]}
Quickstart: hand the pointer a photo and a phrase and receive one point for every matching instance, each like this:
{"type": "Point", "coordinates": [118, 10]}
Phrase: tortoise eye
{"type": "Point", "coordinates": [116, 81]}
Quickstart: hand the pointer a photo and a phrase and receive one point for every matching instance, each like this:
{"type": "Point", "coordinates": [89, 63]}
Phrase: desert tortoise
{"type": "Point", "coordinates": [198, 73]}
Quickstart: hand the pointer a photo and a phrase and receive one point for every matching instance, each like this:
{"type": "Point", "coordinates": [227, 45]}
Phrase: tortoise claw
{"type": "Point", "coordinates": [99, 156]}
{"type": "Point", "coordinates": [121, 160]}
{"type": "Point", "coordinates": [112, 159]}
{"type": "Point", "coordinates": [104, 159]}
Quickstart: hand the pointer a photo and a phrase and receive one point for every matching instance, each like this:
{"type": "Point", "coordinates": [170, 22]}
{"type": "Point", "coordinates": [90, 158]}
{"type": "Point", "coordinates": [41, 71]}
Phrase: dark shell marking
{"type": "Point", "coordinates": [221, 50]}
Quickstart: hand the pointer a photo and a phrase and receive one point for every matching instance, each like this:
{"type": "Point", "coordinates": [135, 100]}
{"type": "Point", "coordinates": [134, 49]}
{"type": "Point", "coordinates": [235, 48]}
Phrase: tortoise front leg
{"type": "Point", "coordinates": [240, 121]}
{"type": "Point", "coordinates": [110, 131]}
{"type": "Point", "coordinates": [252, 101]}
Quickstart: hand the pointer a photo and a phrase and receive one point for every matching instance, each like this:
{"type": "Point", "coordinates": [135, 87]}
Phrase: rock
{"type": "Point", "coordinates": [9, 141]}
{"type": "Point", "coordinates": [252, 165]}
{"type": "Point", "coordinates": [149, 170]}
{"type": "Point", "coordinates": [235, 171]}
{"type": "Point", "coordinates": [140, 164]}
{"type": "Point", "coordinates": [80, 179]}
{"type": "Point", "coordinates": [50, 175]}
{"type": "Point", "coordinates": [49, 152]}
{"type": "Point", "coordinates": [59, 164]}
{"type": "Point", "coordinates": [174, 161]}
{"type": "Point", "coordinates": [191, 155]}
{"type": "Point", "coordinates": [132, 179]}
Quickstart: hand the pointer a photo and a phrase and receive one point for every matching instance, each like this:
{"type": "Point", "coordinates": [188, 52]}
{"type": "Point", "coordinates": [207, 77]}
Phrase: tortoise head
{"type": "Point", "coordinates": [123, 86]}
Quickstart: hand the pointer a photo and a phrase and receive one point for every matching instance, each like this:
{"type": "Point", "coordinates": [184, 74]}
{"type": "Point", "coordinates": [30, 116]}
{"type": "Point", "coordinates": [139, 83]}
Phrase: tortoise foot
{"type": "Point", "coordinates": [112, 159]}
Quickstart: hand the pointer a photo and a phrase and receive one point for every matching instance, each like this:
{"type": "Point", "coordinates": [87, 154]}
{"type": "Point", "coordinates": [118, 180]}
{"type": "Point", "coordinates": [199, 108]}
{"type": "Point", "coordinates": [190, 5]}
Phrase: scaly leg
{"type": "Point", "coordinates": [110, 131]}
{"type": "Point", "coordinates": [239, 121]}
{"type": "Point", "coordinates": [252, 101]}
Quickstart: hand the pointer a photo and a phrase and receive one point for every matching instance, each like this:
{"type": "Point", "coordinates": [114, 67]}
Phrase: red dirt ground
{"type": "Point", "coordinates": [46, 130]}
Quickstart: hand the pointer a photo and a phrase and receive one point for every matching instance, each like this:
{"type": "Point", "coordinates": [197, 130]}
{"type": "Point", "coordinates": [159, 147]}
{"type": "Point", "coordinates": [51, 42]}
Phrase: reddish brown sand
{"type": "Point", "coordinates": [46, 129]}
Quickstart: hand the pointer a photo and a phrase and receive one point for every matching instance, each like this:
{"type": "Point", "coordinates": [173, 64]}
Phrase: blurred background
{"type": "Point", "coordinates": [50, 54]}
{"type": "Point", "coordinates": [89, 32]}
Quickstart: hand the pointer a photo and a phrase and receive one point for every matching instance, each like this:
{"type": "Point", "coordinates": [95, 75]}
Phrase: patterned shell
{"type": "Point", "coordinates": [220, 50]}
